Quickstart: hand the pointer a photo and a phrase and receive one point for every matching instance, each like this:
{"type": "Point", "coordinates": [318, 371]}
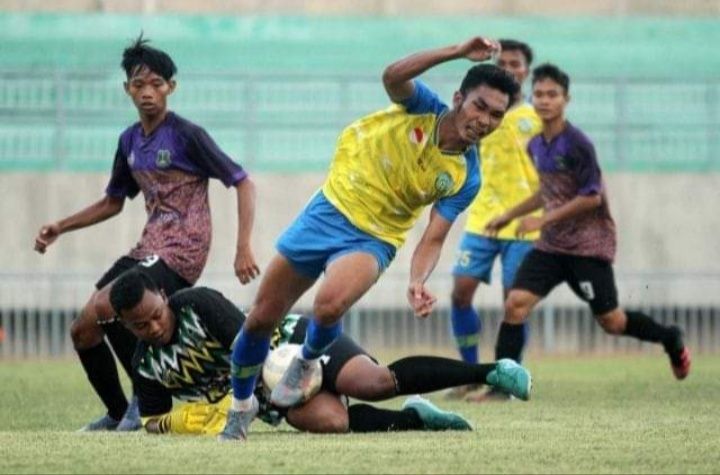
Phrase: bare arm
{"type": "Point", "coordinates": [97, 212]}
{"type": "Point", "coordinates": [576, 206]}
{"type": "Point", "coordinates": [531, 204]}
{"type": "Point", "coordinates": [245, 267]}
{"type": "Point", "coordinates": [398, 77]}
{"type": "Point", "coordinates": [424, 260]}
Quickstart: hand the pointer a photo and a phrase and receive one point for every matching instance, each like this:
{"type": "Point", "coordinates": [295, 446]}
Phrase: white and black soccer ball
{"type": "Point", "coordinates": [278, 361]}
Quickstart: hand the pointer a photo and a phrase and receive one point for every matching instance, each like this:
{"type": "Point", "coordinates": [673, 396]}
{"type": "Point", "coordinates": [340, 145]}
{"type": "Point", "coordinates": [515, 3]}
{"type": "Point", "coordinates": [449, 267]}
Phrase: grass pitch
{"type": "Point", "coordinates": [603, 415]}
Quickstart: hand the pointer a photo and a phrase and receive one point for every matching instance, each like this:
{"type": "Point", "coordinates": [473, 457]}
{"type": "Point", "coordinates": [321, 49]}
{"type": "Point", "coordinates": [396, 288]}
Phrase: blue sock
{"type": "Point", "coordinates": [248, 354]}
{"type": "Point", "coordinates": [466, 325]}
{"type": "Point", "coordinates": [318, 338]}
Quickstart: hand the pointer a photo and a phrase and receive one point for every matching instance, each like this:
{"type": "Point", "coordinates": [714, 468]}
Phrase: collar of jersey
{"type": "Point", "coordinates": [436, 137]}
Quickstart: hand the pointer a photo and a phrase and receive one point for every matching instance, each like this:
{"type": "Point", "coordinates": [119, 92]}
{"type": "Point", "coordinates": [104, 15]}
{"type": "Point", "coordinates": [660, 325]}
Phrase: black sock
{"type": "Point", "coordinates": [644, 328]}
{"type": "Point", "coordinates": [123, 343]}
{"type": "Point", "coordinates": [100, 367]}
{"type": "Point", "coordinates": [367, 418]}
{"type": "Point", "coordinates": [510, 341]}
{"type": "Point", "coordinates": [424, 374]}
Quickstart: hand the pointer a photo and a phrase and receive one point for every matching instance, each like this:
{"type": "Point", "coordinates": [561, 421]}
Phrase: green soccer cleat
{"type": "Point", "coordinates": [433, 417]}
{"type": "Point", "coordinates": [511, 378]}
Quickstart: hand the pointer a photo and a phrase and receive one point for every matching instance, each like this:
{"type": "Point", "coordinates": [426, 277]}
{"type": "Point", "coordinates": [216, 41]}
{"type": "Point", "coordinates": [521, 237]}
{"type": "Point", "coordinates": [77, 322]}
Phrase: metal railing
{"type": "Point", "coordinates": [32, 333]}
{"type": "Point", "coordinates": [65, 120]}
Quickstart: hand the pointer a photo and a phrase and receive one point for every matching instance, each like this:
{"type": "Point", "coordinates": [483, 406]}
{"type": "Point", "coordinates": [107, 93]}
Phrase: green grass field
{"type": "Point", "coordinates": [604, 415]}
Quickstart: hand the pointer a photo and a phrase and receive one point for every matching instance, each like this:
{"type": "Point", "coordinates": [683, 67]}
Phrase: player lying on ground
{"type": "Point", "coordinates": [388, 167]}
{"type": "Point", "coordinates": [578, 240]}
{"type": "Point", "coordinates": [185, 347]}
{"type": "Point", "coordinates": [169, 159]}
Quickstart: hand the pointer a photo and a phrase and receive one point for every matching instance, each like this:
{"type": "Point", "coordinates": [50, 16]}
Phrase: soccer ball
{"type": "Point", "coordinates": [278, 361]}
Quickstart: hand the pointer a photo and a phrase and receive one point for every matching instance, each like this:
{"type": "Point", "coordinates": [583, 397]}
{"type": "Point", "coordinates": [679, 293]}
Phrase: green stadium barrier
{"type": "Point", "coordinates": [276, 91]}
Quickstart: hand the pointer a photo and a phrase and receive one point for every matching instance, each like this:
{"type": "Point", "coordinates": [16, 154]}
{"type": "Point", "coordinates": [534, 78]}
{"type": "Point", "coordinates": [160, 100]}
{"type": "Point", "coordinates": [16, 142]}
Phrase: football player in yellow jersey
{"type": "Point", "coordinates": [509, 177]}
{"type": "Point", "coordinates": [388, 166]}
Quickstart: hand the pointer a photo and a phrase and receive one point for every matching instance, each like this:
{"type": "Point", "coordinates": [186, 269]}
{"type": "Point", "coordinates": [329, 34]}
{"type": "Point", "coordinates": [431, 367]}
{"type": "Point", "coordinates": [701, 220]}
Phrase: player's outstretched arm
{"type": "Point", "coordinates": [578, 205]}
{"type": "Point", "coordinates": [531, 204]}
{"type": "Point", "coordinates": [398, 77]}
{"type": "Point", "coordinates": [99, 211]}
{"type": "Point", "coordinates": [424, 260]}
{"type": "Point", "coordinates": [246, 269]}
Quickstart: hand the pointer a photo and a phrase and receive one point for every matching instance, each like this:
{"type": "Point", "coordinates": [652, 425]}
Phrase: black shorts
{"type": "Point", "coordinates": [166, 278]}
{"type": "Point", "coordinates": [590, 278]}
{"type": "Point", "coordinates": [343, 350]}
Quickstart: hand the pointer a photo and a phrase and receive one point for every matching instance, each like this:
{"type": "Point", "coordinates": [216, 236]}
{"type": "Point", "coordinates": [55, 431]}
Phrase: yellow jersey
{"type": "Point", "coordinates": [509, 175]}
{"type": "Point", "coordinates": [388, 167]}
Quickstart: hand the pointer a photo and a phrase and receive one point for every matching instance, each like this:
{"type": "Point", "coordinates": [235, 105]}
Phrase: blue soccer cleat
{"type": "Point", "coordinates": [511, 378]}
{"type": "Point", "coordinates": [238, 423]}
{"type": "Point", "coordinates": [131, 420]}
{"type": "Point", "coordinates": [103, 423]}
{"type": "Point", "coordinates": [433, 417]}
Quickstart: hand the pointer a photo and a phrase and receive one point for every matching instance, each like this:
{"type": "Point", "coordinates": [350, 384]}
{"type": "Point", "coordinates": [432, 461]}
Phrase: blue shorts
{"type": "Point", "coordinates": [321, 234]}
{"type": "Point", "coordinates": [477, 254]}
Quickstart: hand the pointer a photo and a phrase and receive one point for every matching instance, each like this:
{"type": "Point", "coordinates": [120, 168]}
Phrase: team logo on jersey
{"type": "Point", "coordinates": [131, 159]}
{"type": "Point", "coordinates": [443, 182]}
{"type": "Point", "coordinates": [417, 136]}
{"type": "Point", "coordinates": [163, 160]}
{"type": "Point", "coordinates": [524, 125]}
{"type": "Point", "coordinates": [560, 162]}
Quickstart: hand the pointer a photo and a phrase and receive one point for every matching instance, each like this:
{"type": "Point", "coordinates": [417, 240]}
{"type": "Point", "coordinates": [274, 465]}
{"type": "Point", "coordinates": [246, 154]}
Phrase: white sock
{"type": "Point", "coordinates": [242, 405]}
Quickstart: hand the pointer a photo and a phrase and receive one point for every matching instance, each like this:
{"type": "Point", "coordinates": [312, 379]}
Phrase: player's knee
{"type": "Point", "coordinates": [103, 309]}
{"type": "Point", "coordinates": [328, 311]}
{"type": "Point", "coordinates": [612, 324]}
{"type": "Point", "coordinates": [84, 330]}
{"type": "Point", "coordinates": [265, 315]}
{"type": "Point", "coordinates": [516, 309]}
{"type": "Point", "coordinates": [461, 298]}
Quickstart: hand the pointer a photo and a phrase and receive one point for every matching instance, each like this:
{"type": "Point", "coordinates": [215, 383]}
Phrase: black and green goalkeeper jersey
{"type": "Point", "coordinates": [195, 364]}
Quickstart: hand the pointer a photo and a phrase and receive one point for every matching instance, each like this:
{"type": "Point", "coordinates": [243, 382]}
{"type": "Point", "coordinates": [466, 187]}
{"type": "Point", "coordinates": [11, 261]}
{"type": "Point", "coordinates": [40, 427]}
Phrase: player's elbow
{"type": "Point", "coordinates": [396, 88]}
{"type": "Point", "coordinates": [113, 205]}
{"type": "Point", "coordinates": [593, 201]}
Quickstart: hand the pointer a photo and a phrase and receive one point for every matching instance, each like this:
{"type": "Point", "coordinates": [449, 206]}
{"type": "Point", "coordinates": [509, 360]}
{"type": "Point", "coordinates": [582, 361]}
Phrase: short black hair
{"type": "Point", "coordinates": [552, 72]}
{"type": "Point", "coordinates": [515, 45]}
{"type": "Point", "coordinates": [127, 291]}
{"type": "Point", "coordinates": [139, 55]}
{"type": "Point", "coordinates": [491, 76]}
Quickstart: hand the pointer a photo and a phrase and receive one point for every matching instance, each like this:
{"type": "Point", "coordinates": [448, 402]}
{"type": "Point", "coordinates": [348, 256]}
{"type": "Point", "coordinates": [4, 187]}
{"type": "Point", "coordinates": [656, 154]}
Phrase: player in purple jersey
{"type": "Point", "coordinates": [577, 241]}
{"type": "Point", "coordinates": [170, 160]}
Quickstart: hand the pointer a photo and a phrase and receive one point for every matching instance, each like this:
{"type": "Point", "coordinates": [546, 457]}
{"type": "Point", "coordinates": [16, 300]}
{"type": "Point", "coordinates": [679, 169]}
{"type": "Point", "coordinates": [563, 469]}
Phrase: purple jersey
{"type": "Point", "coordinates": [172, 166]}
{"type": "Point", "coordinates": [568, 167]}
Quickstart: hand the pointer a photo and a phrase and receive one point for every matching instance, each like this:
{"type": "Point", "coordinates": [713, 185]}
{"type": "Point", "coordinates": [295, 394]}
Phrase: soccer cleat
{"type": "Point", "coordinates": [131, 420]}
{"type": "Point", "coordinates": [434, 418]}
{"type": "Point", "coordinates": [103, 423]}
{"type": "Point", "coordinates": [238, 423]}
{"type": "Point", "coordinates": [290, 389]}
{"type": "Point", "coordinates": [679, 354]}
{"type": "Point", "coordinates": [511, 378]}
{"type": "Point", "coordinates": [459, 392]}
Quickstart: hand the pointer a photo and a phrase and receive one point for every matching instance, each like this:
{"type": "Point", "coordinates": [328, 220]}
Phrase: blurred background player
{"type": "Point", "coordinates": [185, 348]}
{"type": "Point", "coordinates": [169, 159]}
{"type": "Point", "coordinates": [508, 178]}
{"type": "Point", "coordinates": [387, 168]}
{"type": "Point", "coordinates": [578, 239]}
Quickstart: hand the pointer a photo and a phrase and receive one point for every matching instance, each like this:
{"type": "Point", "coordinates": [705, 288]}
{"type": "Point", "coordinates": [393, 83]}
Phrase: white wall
{"type": "Point", "coordinates": [668, 228]}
